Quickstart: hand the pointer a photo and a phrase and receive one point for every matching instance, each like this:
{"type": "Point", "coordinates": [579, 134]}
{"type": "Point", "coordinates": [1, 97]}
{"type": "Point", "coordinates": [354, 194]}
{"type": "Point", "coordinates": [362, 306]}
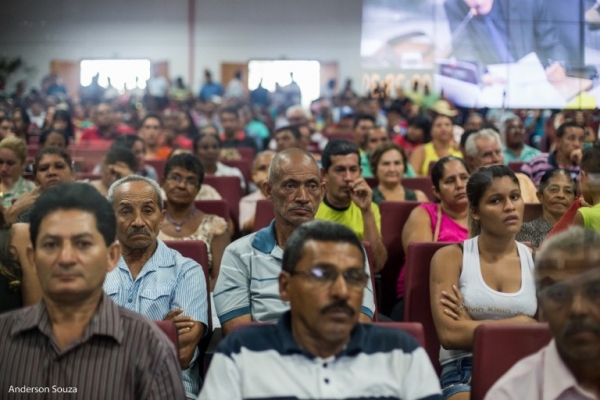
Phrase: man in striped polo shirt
{"type": "Point", "coordinates": [77, 343]}
{"type": "Point", "coordinates": [318, 349]}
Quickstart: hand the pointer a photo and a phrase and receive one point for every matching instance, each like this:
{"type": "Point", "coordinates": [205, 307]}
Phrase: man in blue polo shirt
{"type": "Point", "coordinates": [318, 350]}
{"type": "Point", "coordinates": [246, 289]}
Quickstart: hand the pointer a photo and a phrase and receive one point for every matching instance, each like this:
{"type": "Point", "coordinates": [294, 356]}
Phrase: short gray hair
{"type": "Point", "coordinates": [574, 240]}
{"type": "Point", "coordinates": [135, 178]}
{"type": "Point", "coordinates": [297, 107]}
{"type": "Point", "coordinates": [487, 133]}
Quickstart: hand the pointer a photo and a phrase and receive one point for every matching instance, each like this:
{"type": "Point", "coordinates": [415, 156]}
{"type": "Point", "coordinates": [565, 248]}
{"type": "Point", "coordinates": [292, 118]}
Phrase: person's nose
{"type": "Point", "coordinates": [579, 305]}
{"type": "Point", "coordinates": [496, 158]}
{"type": "Point", "coordinates": [302, 195]}
{"type": "Point", "coordinates": [509, 206]}
{"type": "Point", "coordinates": [66, 255]}
{"type": "Point", "coordinates": [339, 287]}
{"type": "Point", "coordinates": [138, 221]}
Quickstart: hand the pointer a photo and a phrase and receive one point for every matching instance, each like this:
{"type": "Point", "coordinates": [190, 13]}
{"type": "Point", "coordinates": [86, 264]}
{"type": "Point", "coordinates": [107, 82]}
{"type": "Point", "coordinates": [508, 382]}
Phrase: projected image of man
{"type": "Point", "coordinates": [504, 31]}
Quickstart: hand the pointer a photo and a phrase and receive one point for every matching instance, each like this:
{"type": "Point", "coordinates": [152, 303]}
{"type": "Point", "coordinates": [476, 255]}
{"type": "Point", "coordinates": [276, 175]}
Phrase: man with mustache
{"type": "Point", "coordinates": [151, 278]}
{"type": "Point", "coordinates": [318, 350]}
{"type": "Point", "coordinates": [567, 270]}
{"type": "Point", "coordinates": [246, 288]}
{"type": "Point", "coordinates": [349, 199]}
{"type": "Point", "coordinates": [77, 341]}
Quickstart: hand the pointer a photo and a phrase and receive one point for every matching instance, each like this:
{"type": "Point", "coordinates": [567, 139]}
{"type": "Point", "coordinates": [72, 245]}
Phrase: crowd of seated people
{"type": "Point", "coordinates": [338, 162]}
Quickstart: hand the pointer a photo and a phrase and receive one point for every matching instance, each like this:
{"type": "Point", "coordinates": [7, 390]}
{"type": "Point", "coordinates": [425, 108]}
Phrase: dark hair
{"type": "Point", "coordinates": [202, 136]}
{"type": "Point", "coordinates": [317, 230]}
{"type": "Point", "coordinates": [548, 175]}
{"type": "Point", "coordinates": [202, 130]}
{"type": "Point", "coordinates": [292, 128]}
{"type": "Point", "coordinates": [47, 132]}
{"type": "Point", "coordinates": [62, 153]}
{"type": "Point", "coordinates": [149, 116]}
{"type": "Point", "coordinates": [64, 115]}
{"type": "Point", "coordinates": [127, 141]}
{"type": "Point", "coordinates": [590, 160]}
{"type": "Point", "coordinates": [560, 132]}
{"type": "Point", "coordinates": [189, 162]}
{"type": "Point", "coordinates": [230, 110]}
{"type": "Point", "coordinates": [479, 182]}
{"type": "Point", "coordinates": [338, 147]}
{"type": "Point", "coordinates": [9, 267]}
{"type": "Point", "coordinates": [361, 117]}
{"type": "Point", "coordinates": [422, 123]}
{"type": "Point", "coordinates": [437, 115]}
{"type": "Point", "coordinates": [192, 131]}
{"type": "Point", "coordinates": [121, 154]}
{"type": "Point", "coordinates": [437, 172]}
{"type": "Point", "coordinates": [74, 196]}
{"type": "Point", "coordinates": [24, 117]}
{"type": "Point", "coordinates": [381, 150]}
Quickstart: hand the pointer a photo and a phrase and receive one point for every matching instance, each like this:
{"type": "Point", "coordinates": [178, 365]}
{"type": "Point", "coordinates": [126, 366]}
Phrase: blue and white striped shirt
{"type": "Point", "coordinates": [168, 281]}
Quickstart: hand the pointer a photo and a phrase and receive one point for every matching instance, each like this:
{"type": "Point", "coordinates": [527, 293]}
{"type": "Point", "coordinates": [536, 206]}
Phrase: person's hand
{"type": "Point", "coordinates": [556, 73]}
{"type": "Point", "coordinates": [361, 194]}
{"type": "Point", "coordinates": [491, 79]}
{"type": "Point", "coordinates": [120, 170]}
{"type": "Point", "coordinates": [576, 156]}
{"type": "Point", "coordinates": [22, 204]}
{"type": "Point", "coordinates": [183, 323]}
{"type": "Point", "coordinates": [454, 305]}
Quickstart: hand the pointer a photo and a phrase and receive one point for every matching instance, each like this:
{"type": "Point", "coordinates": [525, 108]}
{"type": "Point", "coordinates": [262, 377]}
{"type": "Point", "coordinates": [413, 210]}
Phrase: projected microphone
{"type": "Point", "coordinates": [463, 24]}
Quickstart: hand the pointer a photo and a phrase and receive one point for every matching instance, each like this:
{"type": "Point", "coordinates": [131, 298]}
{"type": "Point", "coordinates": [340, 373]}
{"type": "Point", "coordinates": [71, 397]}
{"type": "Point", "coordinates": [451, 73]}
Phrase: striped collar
{"type": "Point", "coordinates": [264, 239]}
{"type": "Point", "coordinates": [163, 257]}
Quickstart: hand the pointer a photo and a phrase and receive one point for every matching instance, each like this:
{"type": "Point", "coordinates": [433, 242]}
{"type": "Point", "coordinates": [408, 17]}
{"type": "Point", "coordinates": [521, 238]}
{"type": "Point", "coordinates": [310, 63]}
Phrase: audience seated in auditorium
{"type": "Point", "coordinates": [152, 279]}
{"type": "Point", "coordinates": [23, 127]}
{"type": "Point", "coordinates": [233, 134]}
{"type": "Point", "coordinates": [13, 159]}
{"type": "Point", "coordinates": [183, 178]}
{"type": "Point", "coordinates": [63, 121]}
{"type": "Point", "coordinates": [246, 289]}
{"type": "Point", "coordinates": [7, 128]}
{"type": "Point", "coordinates": [138, 148]}
{"type": "Point", "coordinates": [484, 148]}
{"type": "Point", "coordinates": [207, 148]}
{"type": "Point", "coordinates": [441, 145]}
{"type": "Point", "coordinates": [363, 125]}
{"type": "Point", "coordinates": [210, 88]}
{"type": "Point", "coordinates": [389, 165]}
{"type": "Point", "coordinates": [418, 132]}
{"type": "Point", "coordinates": [287, 137]}
{"type": "Point", "coordinates": [589, 217]}
{"type": "Point", "coordinates": [119, 162]}
{"type": "Point", "coordinates": [101, 350]}
{"type": "Point", "coordinates": [260, 169]}
{"type": "Point", "coordinates": [152, 132]}
{"type": "Point", "coordinates": [569, 144]}
{"type": "Point", "coordinates": [184, 130]}
{"type": "Point", "coordinates": [442, 221]}
{"type": "Point", "coordinates": [19, 285]}
{"type": "Point", "coordinates": [105, 127]}
{"type": "Point", "coordinates": [375, 137]}
{"type": "Point", "coordinates": [513, 132]}
{"type": "Point", "coordinates": [53, 138]}
{"type": "Point", "coordinates": [473, 122]}
{"type": "Point", "coordinates": [320, 335]}
{"type": "Point", "coordinates": [51, 166]}
{"type": "Point", "coordinates": [556, 192]}
{"type": "Point", "coordinates": [485, 279]}
{"type": "Point", "coordinates": [349, 199]}
{"type": "Point", "coordinates": [567, 273]}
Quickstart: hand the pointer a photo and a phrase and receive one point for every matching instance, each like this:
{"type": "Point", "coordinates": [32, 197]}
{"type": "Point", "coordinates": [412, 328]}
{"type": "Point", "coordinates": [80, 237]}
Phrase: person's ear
{"type": "Point", "coordinates": [113, 255]}
{"type": "Point", "coordinates": [474, 213]}
{"type": "Point", "coordinates": [266, 188]}
{"type": "Point", "coordinates": [540, 195]}
{"type": "Point", "coordinates": [30, 257]}
{"type": "Point", "coordinates": [284, 283]}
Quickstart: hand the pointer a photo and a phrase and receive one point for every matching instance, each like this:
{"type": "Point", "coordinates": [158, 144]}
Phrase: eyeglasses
{"type": "Point", "coordinates": [561, 294]}
{"type": "Point", "coordinates": [323, 276]}
{"type": "Point", "coordinates": [188, 182]}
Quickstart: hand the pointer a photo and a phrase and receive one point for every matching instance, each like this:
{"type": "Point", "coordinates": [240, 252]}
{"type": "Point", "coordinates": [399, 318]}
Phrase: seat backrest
{"type": "Point", "coordinates": [417, 306]}
{"type": "Point", "coordinates": [497, 347]}
{"type": "Point", "coordinates": [394, 215]}
{"type": "Point", "coordinates": [532, 211]}
{"type": "Point", "coordinates": [414, 329]}
{"type": "Point", "coordinates": [264, 214]}
{"type": "Point", "coordinates": [169, 328]}
{"type": "Point", "coordinates": [197, 251]}
{"type": "Point", "coordinates": [247, 153]}
{"type": "Point", "coordinates": [515, 166]}
{"type": "Point", "coordinates": [245, 167]}
{"type": "Point", "coordinates": [217, 207]}
{"type": "Point", "coordinates": [421, 183]}
{"type": "Point", "coordinates": [159, 166]}
{"type": "Point", "coordinates": [230, 190]}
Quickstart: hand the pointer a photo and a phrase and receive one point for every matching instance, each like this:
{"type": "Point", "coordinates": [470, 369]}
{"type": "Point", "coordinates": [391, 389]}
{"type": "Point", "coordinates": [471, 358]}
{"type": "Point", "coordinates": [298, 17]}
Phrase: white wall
{"type": "Point", "coordinates": [226, 31]}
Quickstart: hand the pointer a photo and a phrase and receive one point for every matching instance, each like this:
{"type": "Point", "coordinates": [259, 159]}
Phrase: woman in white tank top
{"type": "Point", "coordinates": [487, 279]}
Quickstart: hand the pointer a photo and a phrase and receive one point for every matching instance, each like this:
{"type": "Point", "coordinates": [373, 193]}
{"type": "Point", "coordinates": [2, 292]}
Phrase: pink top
{"type": "Point", "coordinates": [450, 231]}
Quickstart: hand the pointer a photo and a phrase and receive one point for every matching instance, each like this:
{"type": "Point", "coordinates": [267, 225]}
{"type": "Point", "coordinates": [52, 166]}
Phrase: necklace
{"type": "Point", "coordinates": [178, 225]}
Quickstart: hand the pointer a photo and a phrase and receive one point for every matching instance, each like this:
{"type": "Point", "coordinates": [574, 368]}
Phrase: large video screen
{"type": "Point", "coordinates": [486, 53]}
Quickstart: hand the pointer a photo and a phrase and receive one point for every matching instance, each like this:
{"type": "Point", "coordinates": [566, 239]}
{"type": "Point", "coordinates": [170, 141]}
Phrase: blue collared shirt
{"type": "Point", "coordinates": [168, 281]}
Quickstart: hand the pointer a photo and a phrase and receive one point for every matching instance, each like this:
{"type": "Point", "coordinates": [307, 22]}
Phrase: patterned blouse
{"type": "Point", "coordinates": [20, 187]}
{"type": "Point", "coordinates": [534, 231]}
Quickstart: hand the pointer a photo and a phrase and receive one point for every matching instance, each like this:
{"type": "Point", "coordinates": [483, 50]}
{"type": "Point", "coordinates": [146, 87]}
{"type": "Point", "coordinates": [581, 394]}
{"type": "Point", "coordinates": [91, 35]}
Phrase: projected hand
{"type": "Point", "coordinates": [556, 73]}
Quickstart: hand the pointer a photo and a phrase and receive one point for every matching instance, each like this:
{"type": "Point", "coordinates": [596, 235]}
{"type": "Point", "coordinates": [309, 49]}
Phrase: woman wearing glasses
{"type": "Point", "coordinates": [183, 221]}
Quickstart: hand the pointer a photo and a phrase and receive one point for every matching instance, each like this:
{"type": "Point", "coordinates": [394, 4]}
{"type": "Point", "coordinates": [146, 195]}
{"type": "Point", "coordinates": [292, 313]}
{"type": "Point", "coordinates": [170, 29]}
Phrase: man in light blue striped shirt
{"type": "Point", "coordinates": [152, 279]}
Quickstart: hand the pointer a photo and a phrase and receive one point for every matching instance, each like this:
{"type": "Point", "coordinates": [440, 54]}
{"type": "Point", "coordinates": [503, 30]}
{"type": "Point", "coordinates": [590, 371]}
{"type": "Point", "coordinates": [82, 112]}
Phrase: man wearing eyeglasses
{"type": "Point", "coordinates": [318, 350]}
{"type": "Point", "coordinates": [246, 289]}
{"type": "Point", "coordinates": [568, 288]}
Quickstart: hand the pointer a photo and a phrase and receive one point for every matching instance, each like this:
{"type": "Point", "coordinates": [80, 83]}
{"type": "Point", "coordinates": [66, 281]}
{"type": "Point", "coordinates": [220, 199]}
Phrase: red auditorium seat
{"type": "Point", "coordinates": [230, 190]}
{"type": "Point", "coordinates": [217, 207]}
{"type": "Point", "coordinates": [515, 166]}
{"type": "Point", "coordinates": [394, 215]}
{"type": "Point", "coordinates": [497, 347]}
{"type": "Point", "coordinates": [159, 166]}
{"type": "Point", "coordinates": [417, 306]}
{"type": "Point", "coordinates": [245, 167]}
{"type": "Point", "coordinates": [422, 183]}
{"type": "Point", "coordinates": [532, 211]}
{"type": "Point", "coordinates": [264, 214]}
{"type": "Point", "coordinates": [169, 328]}
{"type": "Point", "coordinates": [247, 153]}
